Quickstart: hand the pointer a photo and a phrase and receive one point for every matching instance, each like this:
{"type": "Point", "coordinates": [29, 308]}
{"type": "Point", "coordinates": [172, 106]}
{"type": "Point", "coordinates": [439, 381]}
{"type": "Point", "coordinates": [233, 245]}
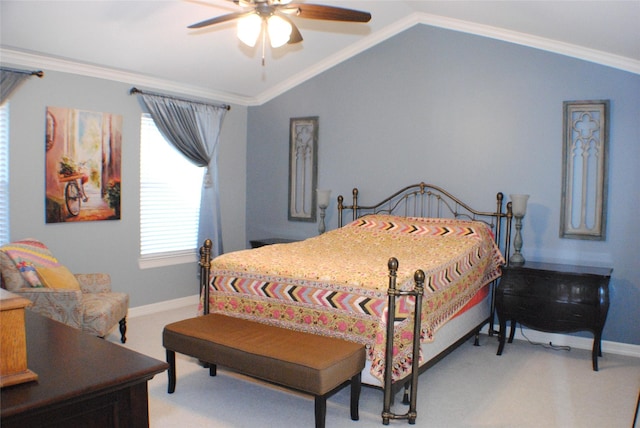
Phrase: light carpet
{"type": "Point", "coordinates": [527, 387]}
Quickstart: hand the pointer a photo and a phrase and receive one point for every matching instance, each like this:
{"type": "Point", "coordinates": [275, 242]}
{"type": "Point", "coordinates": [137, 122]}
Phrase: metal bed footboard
{"type": "Point", "coordinates": [425, 200]}
{"type": "Point", "coordinates": [393, 292]}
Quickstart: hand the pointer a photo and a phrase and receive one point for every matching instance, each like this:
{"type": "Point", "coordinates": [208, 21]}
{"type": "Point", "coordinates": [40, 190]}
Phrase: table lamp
{"type": "Point", "coordinates": [323, 203]}
{"type": "Point", "coordinates": [519, 209]}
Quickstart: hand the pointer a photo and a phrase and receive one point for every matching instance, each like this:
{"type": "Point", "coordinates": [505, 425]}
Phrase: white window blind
{"type": "Point", "coordinates": [170, 188]}
{"type": "Point", "coordinates": [4, 173]}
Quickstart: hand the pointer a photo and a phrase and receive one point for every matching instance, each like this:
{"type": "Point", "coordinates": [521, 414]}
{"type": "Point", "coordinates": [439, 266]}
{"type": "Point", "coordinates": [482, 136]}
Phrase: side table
{"type": "Point", "coordinates": [554, 298]}
{"type": "Point", "coordinates": [257, 243]}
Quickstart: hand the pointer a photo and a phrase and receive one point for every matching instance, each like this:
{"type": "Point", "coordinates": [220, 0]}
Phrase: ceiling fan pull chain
{"type": "Point", "coordinates": [264, 41]}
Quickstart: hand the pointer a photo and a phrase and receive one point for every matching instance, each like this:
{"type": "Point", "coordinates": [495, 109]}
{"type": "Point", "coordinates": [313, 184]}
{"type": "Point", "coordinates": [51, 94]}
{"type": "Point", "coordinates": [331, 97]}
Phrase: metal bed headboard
{"type": "Point", "coordinates": [427, 200]}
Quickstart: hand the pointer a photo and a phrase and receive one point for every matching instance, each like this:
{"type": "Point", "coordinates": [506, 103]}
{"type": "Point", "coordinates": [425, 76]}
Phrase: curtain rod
{"type": "Point", "coordinates": [135, 90]}
{"type": "Point", "coordinates": [38, 73]}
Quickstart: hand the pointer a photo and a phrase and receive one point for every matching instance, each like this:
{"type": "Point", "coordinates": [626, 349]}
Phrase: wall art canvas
{"type": "Point", "coordinates": [83, 165]}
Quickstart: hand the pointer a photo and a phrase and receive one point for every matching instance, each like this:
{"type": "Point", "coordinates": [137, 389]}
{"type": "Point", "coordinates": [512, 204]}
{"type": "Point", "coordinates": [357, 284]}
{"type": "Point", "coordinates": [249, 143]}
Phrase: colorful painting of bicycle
{"type": "Point", "coordinates": [83, 163]}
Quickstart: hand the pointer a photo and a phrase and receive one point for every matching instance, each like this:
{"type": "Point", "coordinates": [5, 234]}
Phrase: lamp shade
{"type": "Point", "coordinates": [323, 198]}
{"type": "Point", "coordinates": [519, 204]}
{"type": "Point", "coordinates": [279, 31]}
{"type": "Point", "coordinates": [249, 29]}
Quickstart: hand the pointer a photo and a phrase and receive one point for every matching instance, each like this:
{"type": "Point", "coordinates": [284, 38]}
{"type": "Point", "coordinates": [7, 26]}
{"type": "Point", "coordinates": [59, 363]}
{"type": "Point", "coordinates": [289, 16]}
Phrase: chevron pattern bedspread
{"type": "Point", "coordinates": [336, 284]}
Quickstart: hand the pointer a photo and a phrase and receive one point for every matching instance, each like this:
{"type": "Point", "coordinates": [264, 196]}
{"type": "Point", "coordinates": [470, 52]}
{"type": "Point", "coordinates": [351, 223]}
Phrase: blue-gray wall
{"type": "Point", "coordinates": [110, 246]}
{"type": "Point", "coordinates": [473, 115]}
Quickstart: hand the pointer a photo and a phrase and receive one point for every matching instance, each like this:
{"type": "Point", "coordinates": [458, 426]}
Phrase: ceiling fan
{"type": "Point", "coordinates": [272, 17]}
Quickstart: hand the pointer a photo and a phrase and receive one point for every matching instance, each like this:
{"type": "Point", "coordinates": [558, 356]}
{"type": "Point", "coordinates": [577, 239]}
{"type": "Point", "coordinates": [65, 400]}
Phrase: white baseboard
{"type": "Point", "coordinates": [167, 305]}
{"type": "Point", "coordinates": [573, 341]}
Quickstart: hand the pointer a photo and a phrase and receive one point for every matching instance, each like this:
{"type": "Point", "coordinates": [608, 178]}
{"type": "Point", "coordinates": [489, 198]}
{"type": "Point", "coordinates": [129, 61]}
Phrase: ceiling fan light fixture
{"type": "Point", "coordinates": [270, 18]}
{"type": "Point", "coordinates": [279, 31]}
{"type": "Point", "coordinates": [249, 29]}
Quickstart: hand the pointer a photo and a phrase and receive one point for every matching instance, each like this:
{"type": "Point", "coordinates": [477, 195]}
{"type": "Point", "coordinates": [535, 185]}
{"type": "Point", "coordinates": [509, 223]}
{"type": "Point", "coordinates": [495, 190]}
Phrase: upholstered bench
{"type": "Point", "coordinates": [313, 364]}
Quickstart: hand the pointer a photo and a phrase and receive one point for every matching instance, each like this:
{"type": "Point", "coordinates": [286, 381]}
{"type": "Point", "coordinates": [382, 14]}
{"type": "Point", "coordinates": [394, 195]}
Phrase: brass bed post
{"type": "Point", "coordinates": [418, 292]}
{"type": "Point", "coordinates": [355, 203]}
{"type": "Point", "coordinates": [391, 309]}
{"type": "Point", "coordinates": [353, 208]}
{"type": "Point", "coordinates": [205, 267]}
{"type": "Point", "coordinates": [499, 200]}
{"type": "Point", "coordinates": [499, 215]}
{"type": "Point", "coordinates": [508, 233]}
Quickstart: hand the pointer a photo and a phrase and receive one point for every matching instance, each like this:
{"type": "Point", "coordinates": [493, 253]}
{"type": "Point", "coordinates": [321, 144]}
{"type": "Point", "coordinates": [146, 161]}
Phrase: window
{"type": "Point", "coordinates": [4, 173]}
{"type": "Point", "coordinates": [170, 187]}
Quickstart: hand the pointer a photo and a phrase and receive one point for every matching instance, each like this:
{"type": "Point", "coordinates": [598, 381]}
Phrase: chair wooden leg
{"type": "Point", "coordinates": [123, 330]}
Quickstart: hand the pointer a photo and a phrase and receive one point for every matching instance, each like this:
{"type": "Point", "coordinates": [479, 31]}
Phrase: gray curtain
{"type": "Point", "coordinates": [10, 79]}
{"type": "Point", "coordinates": [194, 128]}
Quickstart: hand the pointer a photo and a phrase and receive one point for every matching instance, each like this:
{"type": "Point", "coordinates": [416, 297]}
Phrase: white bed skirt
{"type": "Point", "coordinates": [444, 337]}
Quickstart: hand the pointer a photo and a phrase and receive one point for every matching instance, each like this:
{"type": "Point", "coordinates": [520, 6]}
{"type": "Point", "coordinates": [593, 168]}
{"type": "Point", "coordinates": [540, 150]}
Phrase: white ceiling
{"type": "Point", "coordinates": [147, 43]}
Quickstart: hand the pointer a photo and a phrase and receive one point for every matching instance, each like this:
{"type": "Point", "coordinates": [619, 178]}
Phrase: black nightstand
{"type": "Point", "coordinates": [257, 243]}
{"type": "Point", "coordinates": [554, 298]}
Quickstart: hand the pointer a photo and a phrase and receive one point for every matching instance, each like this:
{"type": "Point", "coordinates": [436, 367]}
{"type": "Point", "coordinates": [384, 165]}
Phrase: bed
{"type": "Point", "coordinates": [337, 283]}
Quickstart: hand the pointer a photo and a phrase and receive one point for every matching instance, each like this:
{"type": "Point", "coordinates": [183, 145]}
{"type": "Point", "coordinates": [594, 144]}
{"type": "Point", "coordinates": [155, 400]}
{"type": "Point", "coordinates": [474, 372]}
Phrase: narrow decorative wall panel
{"type": "Point", "coordinates": [303, 169]}
{"type": "Point", "coordinates": [584, 169]}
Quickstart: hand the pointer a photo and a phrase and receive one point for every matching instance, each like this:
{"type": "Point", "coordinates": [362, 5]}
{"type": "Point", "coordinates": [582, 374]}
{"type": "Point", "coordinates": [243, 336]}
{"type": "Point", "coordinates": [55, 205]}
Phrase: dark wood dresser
{"type": "Point", "coordinates": [83, 381]}
{"type": "Point", "coordinates": [554, 298]}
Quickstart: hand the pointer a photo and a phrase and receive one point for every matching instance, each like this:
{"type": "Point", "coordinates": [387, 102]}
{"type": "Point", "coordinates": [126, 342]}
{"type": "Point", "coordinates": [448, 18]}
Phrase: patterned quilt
{"type": "Point", "coordinates": [336, 284]}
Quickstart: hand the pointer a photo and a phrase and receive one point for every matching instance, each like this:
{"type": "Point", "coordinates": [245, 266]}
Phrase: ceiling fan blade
{"type": "Point", "coordinates": [222, 18]}
{"type": "Point", "coordinates": [330, 13]}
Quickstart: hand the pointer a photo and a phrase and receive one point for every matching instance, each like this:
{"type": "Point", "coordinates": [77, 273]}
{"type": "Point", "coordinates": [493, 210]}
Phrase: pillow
{"type": "Point", "coordinates": [28, 254]}
{"type": "Point", "coordinates": [30, 274]}
{"type": "Point", "coordinates": [58, 277]}
{"type": "Point", "coordinates": [12, 278]}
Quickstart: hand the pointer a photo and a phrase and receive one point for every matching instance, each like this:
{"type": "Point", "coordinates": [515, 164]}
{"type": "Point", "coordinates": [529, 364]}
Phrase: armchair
{"type": "Point", "coordinates": [83, 301]}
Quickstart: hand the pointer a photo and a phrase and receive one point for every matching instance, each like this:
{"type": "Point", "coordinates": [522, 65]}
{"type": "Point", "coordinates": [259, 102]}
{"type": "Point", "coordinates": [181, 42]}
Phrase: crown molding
{"type": "Point", "coordinates": [56, 64]}
{"type": "Point", "coordinates": [549, 45]}
{"type": "Point", "coordinates": [37, 61]}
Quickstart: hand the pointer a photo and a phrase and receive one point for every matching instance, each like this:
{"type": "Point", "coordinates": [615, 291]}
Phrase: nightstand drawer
{"type": "Point", "coordinates": [523, 283]}
{"type": "Point", "coordinates": [513, 306]}
{"type": "Point", "coordinates": [574, 317]}
{"type": "Point", "coordinates": [565, 288]}
{"type": "Point", "coordinates": [543, 314]}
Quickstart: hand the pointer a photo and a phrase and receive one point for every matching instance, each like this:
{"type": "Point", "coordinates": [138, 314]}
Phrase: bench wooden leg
{"type": "Point", "coordinates": [356, 385]}
{"type": "Point", "coordinates": [171, 360]}
{"type": "Point", "coordinates": [321, 410]}
{"type": "Point", "coordinates": [212, 367]}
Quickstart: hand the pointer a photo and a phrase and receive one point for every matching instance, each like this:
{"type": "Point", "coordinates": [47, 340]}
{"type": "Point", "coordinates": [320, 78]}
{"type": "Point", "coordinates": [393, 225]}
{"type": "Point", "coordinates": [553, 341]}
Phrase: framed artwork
{"type": "Point", "coordinates": [585, 152]}
{"type": "Point", "coordinates": [83, 165]}
{"type": "Point", "coordinates": [303, 168]}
